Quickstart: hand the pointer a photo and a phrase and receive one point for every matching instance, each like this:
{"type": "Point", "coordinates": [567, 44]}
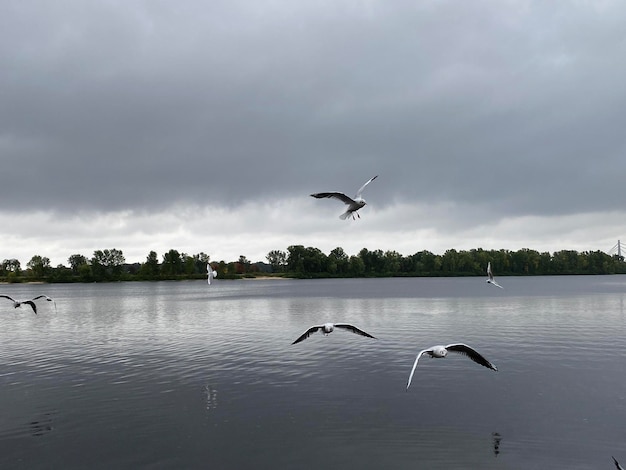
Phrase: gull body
{"type": "Point", "coordinates": [354, 204]}
{"type": "Point", "coordinates": [31, 302]}
{"type": "Point", "coordinates": [491, 280]}
{"type": "Point", "coordinates": [328, 328]}
{"type": "Point", "coordinates": [211, 274]}
{"type": "Point", "coordinates": [442, 351]}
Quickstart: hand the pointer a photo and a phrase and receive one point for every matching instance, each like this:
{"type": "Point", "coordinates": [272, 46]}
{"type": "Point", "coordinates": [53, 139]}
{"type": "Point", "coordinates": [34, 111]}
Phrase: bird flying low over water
{"type": "Point", "coordinates": [617, 463]}
{"type": "Point", "coordinates": [353, 204]}
{"type": "Point", "coordinates": [328, 328]}
{"type": "Point", "coordinates": [491, 280]}
{"type": "Point", "coordinates": [442, 351]}
{"type": "Point", "coordinates": [210, 273]}
{"type": "Point", "coordinates": [31, 302]}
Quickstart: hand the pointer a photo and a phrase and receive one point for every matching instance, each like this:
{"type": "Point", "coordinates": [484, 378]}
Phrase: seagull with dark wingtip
{"type": "Point", "coordinates": [617, 463]}
{"type": "Point", "coordinates": [353, 204]}
{"type": "Point", "coordinates": [442, 351]}
{"type": "Point", "coordinates": [491, 280]}
{"type": "Point", "coordinates": [31, 302]}
{"type": "Point", "coordinates": [327, 328]}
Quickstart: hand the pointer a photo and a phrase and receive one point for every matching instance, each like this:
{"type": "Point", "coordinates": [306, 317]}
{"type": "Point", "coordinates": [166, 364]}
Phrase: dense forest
{"type": "Point", "coordinates": [309, 262]}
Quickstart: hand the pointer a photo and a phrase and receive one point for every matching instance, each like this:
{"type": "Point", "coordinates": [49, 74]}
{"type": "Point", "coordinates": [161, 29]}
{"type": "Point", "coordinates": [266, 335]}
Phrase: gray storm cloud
{"type": "Point", "coordinates": [514, 108]}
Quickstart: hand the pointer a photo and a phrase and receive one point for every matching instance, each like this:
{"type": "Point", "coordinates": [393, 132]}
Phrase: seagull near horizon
{"type": "Point", "coordinates": [442, 351]}
{"type": "Point", "coordinates": [491, 280]}
{"type": "Point", "coordinates": [353, 204]}
{"type": "Point", "coordinates": [327, 328]}
{"type": "Point", "coordinates": [31, 302]}
{"type": "Point", "coordinates": [210, 272]}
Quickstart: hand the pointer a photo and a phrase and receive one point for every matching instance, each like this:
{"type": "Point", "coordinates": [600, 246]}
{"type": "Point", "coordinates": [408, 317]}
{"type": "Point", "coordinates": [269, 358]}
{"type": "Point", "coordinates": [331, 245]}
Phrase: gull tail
{"type": "Point", "coordinates": [345, 215]}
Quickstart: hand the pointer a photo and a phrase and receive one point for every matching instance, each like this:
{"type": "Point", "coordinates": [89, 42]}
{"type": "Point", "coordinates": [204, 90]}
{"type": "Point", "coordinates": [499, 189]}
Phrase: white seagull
{"type": "Point", "coordinates": [31, 302]}
{"type": "Point", "coordinates": [353, 204]}
{"type": "Point", "coordinates": [442, 351]}
{"type": "Point", "coordinates": [491, 280]}
{"type": "Point", "coordinates": [328, 328]}
{"type": "Point", "coordinates": [210, 273]}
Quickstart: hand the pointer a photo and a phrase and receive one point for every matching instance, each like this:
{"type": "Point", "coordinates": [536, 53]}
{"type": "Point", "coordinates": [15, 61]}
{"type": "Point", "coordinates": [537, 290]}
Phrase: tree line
{"type": "Point", "coordinates": [309, 262]}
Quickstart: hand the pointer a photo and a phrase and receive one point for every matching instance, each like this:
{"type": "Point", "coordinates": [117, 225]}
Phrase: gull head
{"type": "Point", "coordinates": [328, 328]}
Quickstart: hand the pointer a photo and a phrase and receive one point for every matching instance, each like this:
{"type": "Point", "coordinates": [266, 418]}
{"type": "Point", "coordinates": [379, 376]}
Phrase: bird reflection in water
{"type": "Point", "coordinates": [210, 397]}
{"type": "Point", "coordinates": [496, 442]}
{"type": "Point", "coordinates": [42, 425]}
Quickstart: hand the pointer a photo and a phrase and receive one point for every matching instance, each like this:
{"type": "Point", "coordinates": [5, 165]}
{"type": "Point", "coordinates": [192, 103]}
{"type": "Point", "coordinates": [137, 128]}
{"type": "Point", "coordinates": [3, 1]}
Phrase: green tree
{"type": "Point", "coordinates": [338, 261]}
{"type": "Point", "coordinates": [277, 259]}
{"type": "Point", "coordinates": [172, 263]}
{"type": "Point", "coordinates": [75, 261]}
{"type": "Point", "coordinates": [107, 264]}
{"type": "Point", "coordinates": [151, 269]}
{"type": "Point", "coordinates": [39, 266]}
{"type": "Point", "coordinates": [12, 266]}
{"type": "Point", "coordinates": [295, 259]}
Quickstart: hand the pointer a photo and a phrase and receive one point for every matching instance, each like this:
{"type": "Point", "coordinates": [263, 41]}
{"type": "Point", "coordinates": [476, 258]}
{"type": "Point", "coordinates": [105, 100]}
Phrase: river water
{"type": "Point", "coordinates": [184, 375]}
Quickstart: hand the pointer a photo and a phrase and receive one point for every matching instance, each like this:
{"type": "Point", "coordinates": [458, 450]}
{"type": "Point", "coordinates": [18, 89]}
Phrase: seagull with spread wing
{"type": "Point", "coordinates": [327, 328]}
{"type": "Point", "coordinates": [211, 273]}
{"type": "Point", "coordinates": [353, 204]}
{"type": "Point", "coordinates": [31, 302]}
{"type": "Point", "coordinates": [491, 280]}
{"type": "Point", "coordinates": [442, 351]}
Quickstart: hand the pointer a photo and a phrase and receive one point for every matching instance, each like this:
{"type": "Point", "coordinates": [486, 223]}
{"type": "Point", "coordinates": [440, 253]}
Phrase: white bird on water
{"type": "Point", "coordinates": [31, 302]}
{"type": "Point", "coordinates": [210, 272]}
{"type": "Point", "coordinates": [442, 351]}
{"type": "Point", "coordinates": [353, 204]}
{"type": "Point", "coordinates": [327, 328]}
{"type": "Point", "coordinates": [491, 280]}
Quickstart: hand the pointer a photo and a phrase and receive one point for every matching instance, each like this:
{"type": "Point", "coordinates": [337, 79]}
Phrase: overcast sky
{"type": "Point", "coordinates": [204, 126]}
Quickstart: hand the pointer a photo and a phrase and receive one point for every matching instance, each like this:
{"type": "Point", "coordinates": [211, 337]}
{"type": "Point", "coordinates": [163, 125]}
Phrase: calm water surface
{"type": "Point", "coordinates": [185, 375]}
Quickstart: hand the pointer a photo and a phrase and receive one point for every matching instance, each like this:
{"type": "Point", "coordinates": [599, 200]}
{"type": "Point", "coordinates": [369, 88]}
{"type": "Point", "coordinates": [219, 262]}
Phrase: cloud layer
{"type": "Point", "coordinates": [481, 118]}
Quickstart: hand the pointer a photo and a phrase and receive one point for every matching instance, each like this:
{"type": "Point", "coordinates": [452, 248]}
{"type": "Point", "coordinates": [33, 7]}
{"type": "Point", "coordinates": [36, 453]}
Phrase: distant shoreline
{"type": "Point", "coordinates": [264, 278]}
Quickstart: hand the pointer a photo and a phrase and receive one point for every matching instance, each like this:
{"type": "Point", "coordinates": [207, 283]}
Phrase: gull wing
{"type": "Point", "coordinates": [10, 298]}
{"type": "Point", "coordinates": [472, 354]}
{"type": "Point", "coordinates": [415, 365]}
{"type": "Point", "coordinates": [308, 333]}
{"type": "Point", "coordinates": [353, 329]}
{"type": "Point", "coordinates": [210, 273]}
{"type": "Point", "coordinates": [490, 274]}
{"type": "Point", "coordinates": [334, 194]}
{"type": "Point", "coordinates": [617, 463]}
{"type": "Point", "coordinates": [47, 298]}
{"type": "Point", "coordinates": [358, 193]}
{"type": "Point", "coordinates": [32, 304]}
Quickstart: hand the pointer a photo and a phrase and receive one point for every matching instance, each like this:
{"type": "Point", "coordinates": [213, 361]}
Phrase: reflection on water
{"type": "Point", "coordinates": [179, 375]}
{"type": "Point", "coordinates": [210, 397]}
{"type": "Point", "coordinates": [42, 425]}
{"type": "Point", "coordinates": [496, 442]}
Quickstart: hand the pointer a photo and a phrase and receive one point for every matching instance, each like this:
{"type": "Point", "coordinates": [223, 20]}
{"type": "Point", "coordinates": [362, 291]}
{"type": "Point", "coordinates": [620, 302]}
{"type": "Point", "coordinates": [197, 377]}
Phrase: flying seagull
{"type": "Point", "coordinates": [491, 280]}
{"type": "Point", "coordinates": [328, 328]}
{"type": "Point", "coordinates": [617, 463]}
{"type": "Point", "coordinates": [210, 273]}
{"type": "Point", "coordinates": [353, 204]}
{"type": "Point", "coordinates": [30, 302]}
{"type": "Point", "coordinates": [442, 351]}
